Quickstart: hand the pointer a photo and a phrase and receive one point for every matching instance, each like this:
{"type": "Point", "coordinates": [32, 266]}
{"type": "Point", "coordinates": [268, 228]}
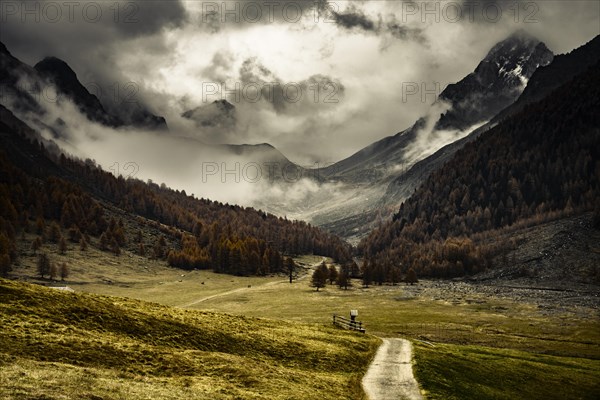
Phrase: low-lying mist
{"type": "Point", "coordinates": [249, 175]}
{"type": "Point", "coordinates": [428, 139]}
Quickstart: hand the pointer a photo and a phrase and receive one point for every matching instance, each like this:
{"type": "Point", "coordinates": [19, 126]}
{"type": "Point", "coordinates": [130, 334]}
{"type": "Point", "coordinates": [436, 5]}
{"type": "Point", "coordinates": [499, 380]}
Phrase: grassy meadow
{"type": "Point", "coordinates": [469, 346]}
{"type": "Point", "coordinates": [56, 344]}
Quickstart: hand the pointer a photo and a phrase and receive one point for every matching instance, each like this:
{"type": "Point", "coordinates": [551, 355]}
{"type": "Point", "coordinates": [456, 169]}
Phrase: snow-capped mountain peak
{"type": "Point", "coordinates": [497, 81]}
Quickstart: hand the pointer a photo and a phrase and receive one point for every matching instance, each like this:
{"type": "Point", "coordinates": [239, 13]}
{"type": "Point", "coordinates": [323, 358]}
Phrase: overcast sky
{"type": "Point", "coordinates": [343, 65]}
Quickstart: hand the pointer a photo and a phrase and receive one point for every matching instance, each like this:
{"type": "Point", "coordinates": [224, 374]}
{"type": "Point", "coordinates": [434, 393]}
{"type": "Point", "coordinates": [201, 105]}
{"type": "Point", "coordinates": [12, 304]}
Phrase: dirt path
{"type": "Point", "coordinates": [390, 374]}
{"type": "Point", "coordinates": [243, 289]}
{"type": "Point", "coordinates": [212, 297]}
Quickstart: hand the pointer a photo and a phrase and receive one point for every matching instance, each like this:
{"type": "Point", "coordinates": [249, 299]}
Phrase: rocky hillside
{"type": "Point", "coordinates": [496, 83]}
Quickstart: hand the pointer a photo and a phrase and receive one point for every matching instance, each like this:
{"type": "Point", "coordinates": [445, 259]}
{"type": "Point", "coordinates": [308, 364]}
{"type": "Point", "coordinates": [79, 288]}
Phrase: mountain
{"type": "Point", "coordinates": [544, 80]}
{"type": "Point", "coordinates": [218, 114]}
{"type": "Point", "coordinates": [25, 89]}
{"type": "Point", "coordinates": [140, 117]}
{"type": "Point", "coordinates": [496, 82]}
{"type": "Point", "coordinates": [60, 75]}
{"type": "Point", "coordinates": [562, 69]}
{"type": "Point", "coordinates": [537, 165]}
{"type": "Point", "coordinates": [374, 161]}
{"type": "Point", "coordinates": [17, 137]}
{"type": "Point", "coordinates": [252, 163]}
{"type": "Point", "coordinates": [275, 166]}
{"type": "Point", "coordinates": [18, 82]}
{"type": "Point", "coordinates": [221, 115]}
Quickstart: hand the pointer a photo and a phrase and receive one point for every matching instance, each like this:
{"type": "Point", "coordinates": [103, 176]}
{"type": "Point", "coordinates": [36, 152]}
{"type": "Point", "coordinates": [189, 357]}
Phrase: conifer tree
{"type": "Point", "coordinates": [343, 279]}
{"type": "Point", "coordinates": [290, 267]}
{"type": "Point", "coordinates": [4, 264]}
{"type": "Point", "coordinates": [411, 277]}
{"type": "Point", "coordinates": [332, 274]}
{"type": "Point", "coordinates": [62, 245]}
{"type": "Point", "coordinates": [53, 271]}
{"type": "Point", "coordinates": [43, 265]}
{"type": "Point", "coordinates": [319, 277]}
{"type": "Point", "coordinates": [64, 271]}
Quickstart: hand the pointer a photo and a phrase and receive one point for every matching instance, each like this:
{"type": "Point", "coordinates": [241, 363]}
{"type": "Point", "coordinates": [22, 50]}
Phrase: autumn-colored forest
{"type": "Point", "coordinates": [63, 199]}
{"type": "Point", "coordinates": [540, 164]}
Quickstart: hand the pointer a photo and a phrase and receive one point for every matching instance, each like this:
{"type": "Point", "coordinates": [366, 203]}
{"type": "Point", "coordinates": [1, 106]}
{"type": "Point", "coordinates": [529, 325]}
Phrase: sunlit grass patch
{"type": "Point", "coordinates": [58, 344]}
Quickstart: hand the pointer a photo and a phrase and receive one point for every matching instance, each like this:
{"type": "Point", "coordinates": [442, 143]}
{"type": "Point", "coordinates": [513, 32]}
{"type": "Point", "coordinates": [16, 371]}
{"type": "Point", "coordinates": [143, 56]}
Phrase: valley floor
{"type": "Point", "coordinates": [56, 344]}
{"type": "Point", "coordinates": [486, 339]}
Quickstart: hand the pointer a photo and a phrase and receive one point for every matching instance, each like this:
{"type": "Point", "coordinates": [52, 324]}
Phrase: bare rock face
{"type": "Point", "coordinates": [497, 82]}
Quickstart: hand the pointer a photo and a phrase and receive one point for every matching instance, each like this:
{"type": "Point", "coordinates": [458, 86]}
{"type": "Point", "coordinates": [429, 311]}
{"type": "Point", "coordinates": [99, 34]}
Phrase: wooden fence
{"type": "Point", "coordinates": [346, 323]}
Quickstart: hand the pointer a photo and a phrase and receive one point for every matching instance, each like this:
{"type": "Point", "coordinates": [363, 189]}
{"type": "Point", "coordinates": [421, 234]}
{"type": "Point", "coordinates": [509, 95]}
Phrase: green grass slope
{"type": "Point", "coordinates": [56, 344]}
{"type": "Point", "coordinates": [454, 372]}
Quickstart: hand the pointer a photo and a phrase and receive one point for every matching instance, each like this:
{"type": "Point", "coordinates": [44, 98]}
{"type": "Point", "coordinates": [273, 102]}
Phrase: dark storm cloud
{"type": "Point", "coordinates": [217, 16]}
{"type": "Point", "coordinates": [354, 18]}
{"type": "Point", "coordinates": [149, 17]}
{"type": "Point", "coordinates": [403, 32]}
{"type": "Point", "coordinates": [89, 35]}
{"type": "Point", "coordinates": [86, 22]}
{"type": "Point", "coordinates": [142, 43]}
